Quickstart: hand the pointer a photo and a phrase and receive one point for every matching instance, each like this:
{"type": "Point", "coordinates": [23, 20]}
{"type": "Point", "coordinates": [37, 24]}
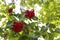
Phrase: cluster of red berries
{"type": "Point", "coordinates": [29, 14]}
{"type": "Point", "coordinates": [18, 26]}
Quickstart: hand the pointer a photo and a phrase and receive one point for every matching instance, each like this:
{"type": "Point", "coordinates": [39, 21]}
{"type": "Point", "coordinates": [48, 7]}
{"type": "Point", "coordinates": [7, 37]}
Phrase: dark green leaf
{"type": "Point", "coordinates": [57, 30]}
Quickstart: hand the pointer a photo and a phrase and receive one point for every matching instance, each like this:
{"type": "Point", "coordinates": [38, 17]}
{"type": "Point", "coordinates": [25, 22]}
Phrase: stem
{"type": "Point", "coordinates": [5, 36]}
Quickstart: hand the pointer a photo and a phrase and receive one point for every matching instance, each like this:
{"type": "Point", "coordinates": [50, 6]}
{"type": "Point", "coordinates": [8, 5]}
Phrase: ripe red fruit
{"type": "Point", "coordinates": [10, 10]}
{"type": "Point", "coordinates": [29, 14]}
{"type": "Point", "coordinates": [17, 26]}
{"type": "Point", "coordinates": [27, 30]}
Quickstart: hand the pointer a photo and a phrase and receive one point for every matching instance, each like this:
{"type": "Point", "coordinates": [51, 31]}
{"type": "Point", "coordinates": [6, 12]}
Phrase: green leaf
{"type": "Point", "coordinates": [57, 30]}
{"type": "Point", "coordinates": [52, 26]}
{"type": "Point", "coordinates": [1, 32]}
{"type": "Point", "coordinates": [13, 5]}
{"type": "Point", "coordinates": [9, 24]}
{"type": "Point", "coordinates": [12, 35]}
{"type": "Point", "coordinates": [43, 29]}
{"type": "Point", "coordinates": [2, 16]}
{"type": "Point", "coordinates": [51, 37]}
{"type": "Point", "coordinates": [23, 37]}
{"type": "Point", "coordinates": [35, 18]}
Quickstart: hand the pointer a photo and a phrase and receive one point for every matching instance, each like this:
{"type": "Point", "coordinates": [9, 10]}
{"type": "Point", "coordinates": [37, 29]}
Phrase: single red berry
{"type": "Point", "coordinates": [27, 30]}
{"type": "Point", "coordinates": [10, 10]}
{"type": "Point", "coordinates": [17, 26]}
{"type": "Point", "coordinates": [29, 14]}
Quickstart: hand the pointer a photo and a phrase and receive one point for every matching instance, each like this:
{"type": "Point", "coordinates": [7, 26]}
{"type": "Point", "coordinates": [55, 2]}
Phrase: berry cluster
{"type": "Point", "coordinates": [29, 14]}
{"type": "Point", "coordinates": [18, 26]}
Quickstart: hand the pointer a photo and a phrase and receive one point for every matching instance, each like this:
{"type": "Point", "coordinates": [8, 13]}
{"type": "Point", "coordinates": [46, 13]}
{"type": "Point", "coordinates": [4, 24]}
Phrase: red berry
{"type": "Point", "coordinates": [10, 10]}
{"type": "Point", "coordinates": [29, 14]}
{"type": "Point", "coordinates": [17, 26]}
{"type": "Point", "coordinates": [27, 30]}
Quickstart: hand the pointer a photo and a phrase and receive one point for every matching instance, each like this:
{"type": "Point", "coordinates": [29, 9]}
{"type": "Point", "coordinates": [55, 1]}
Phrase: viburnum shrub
{"type": "Point", "coordinates": [18, 22]}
